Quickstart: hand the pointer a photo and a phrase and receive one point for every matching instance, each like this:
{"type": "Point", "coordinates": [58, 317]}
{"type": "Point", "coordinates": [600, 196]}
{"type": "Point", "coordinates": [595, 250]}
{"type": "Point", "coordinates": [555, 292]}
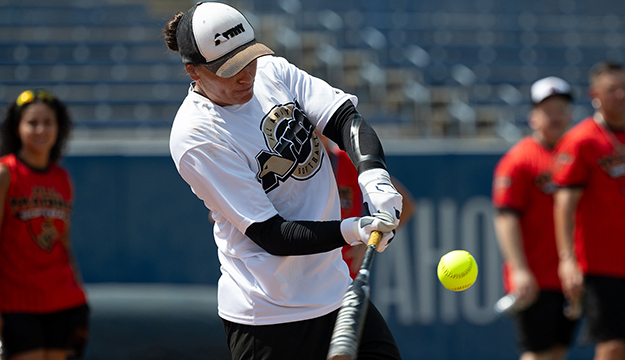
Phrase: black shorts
{"type": "Point", "coordinates": [604, 308]}
{"type": "Point", "coordinates": [65, 329]}
{"type": "Point", "coordinates": [308, 339]}
{"type": "Point", "coordinates": [543, 325]}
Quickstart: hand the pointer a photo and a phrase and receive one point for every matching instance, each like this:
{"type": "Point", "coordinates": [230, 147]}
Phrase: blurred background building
{"type": "Point", "coordinates": [445, 83]}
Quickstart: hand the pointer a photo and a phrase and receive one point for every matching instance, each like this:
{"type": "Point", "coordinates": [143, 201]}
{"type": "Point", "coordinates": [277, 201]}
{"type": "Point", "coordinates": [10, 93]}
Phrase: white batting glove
{"type": "Point", "coordinates": [379, 194]}
{"type": "Point", "coordinates": [358, 230]}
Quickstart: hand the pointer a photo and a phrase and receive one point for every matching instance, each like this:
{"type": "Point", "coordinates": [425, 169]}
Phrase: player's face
{"type": "Point", "coordinates": [236, 90]}
{"type": "Point", "coordinates": [38, 129]}
{"type": "Point", "coordinates": [609, 88]}
{"type": "Point", "coordinates": [551, 118]}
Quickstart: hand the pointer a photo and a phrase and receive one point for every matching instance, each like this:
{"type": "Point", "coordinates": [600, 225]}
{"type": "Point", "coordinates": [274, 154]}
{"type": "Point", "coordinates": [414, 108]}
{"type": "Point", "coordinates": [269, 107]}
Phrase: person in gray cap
{"type": "Point", "coordinates": [244, 140]}
{"type": "Point", "coordinates": [523, 198]}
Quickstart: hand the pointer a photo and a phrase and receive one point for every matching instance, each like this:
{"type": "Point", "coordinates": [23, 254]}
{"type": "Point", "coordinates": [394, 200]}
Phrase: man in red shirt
{"type": "Point", "coordinates": [522, 195]}
{"type": "Point", "coordinates": [589, 211]}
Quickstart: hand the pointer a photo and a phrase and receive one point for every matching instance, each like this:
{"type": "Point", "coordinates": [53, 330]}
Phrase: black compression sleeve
{"type": "Point", "coordinates": [349, 130]}
{"type": "Point", "coordinates": [284, 238]}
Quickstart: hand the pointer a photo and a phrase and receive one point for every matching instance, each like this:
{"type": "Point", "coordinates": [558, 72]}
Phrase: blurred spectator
{"type": "Point", "coordinates": [42, 302]}
{"type": "Point", "coordinates": [589, 170]}
{"type": "Point", "coordinates": [523, 197]}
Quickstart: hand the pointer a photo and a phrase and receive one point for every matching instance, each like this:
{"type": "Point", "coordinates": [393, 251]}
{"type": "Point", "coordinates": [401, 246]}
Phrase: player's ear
{"type": "Point", "coordinates": [531, 121]}
{"type": "Point", "coordinates": [192, 71]}
{"type": "Point", "coordinates": [592, 94]}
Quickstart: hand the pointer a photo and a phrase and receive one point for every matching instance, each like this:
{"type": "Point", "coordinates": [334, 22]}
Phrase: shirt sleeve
{"type": "Point", "coordinates": [220, 178]}
{"type": "Point", "coordinates": [569, 168]}
{"type": "Point", "coordinates": [510, 190]}
{"type": "Point", "coordinates": [318, 99]}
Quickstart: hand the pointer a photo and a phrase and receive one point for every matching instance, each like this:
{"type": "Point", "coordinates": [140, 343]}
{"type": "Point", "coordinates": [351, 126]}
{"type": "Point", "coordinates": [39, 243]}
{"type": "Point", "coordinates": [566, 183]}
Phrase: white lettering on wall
{"type": "Point", "coordinates": [405, 282]}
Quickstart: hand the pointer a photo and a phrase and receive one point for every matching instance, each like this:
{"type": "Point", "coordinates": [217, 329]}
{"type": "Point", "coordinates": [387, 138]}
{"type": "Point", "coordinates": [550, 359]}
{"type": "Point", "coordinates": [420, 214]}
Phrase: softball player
{"type": "Point", "coordinates": [244, 140]}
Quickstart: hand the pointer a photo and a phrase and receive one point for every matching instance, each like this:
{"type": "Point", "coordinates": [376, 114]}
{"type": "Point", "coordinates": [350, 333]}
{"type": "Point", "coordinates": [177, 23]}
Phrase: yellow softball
{"type": "Point", "coordinates": [457, 270]}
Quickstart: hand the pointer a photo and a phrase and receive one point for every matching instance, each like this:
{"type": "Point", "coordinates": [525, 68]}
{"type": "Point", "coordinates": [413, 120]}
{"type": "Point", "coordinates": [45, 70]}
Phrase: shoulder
{"type": "Point", "coordinates": [518, 152]}
{"type": "Point", "coordinates": [60, 170]}
{"type": "Point", "coordinates": [196, 123]}
{"type": "Point", "coordinates": [272, 61]}
{"type": "Point", "coordinates": [61, 176]}
{"type": "Point", "coordinates": [276, 67]}
{"type": "Point", "coordinates": [582, 130]}
{"type": "Point", "coordinates": [5, 177]}
{"type": "Point", "coordinates": [585, 132]}
{"type": "Point", "coordinates": [8, 160]}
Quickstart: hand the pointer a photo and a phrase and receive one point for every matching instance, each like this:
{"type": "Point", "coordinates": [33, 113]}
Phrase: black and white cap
{"type": "Point", "coordinates": [548, 87]}
{"type": "Point", "coordinates": [218, 36]}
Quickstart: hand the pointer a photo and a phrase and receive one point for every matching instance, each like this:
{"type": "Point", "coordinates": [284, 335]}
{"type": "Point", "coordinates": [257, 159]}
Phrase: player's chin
{"type": "Point", "coordinates": [554, 133]}
{"type": "Point", "coordinates": [245, 95]}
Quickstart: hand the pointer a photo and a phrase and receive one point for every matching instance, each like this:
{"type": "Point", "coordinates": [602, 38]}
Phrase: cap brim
{"type": "Point", "coordinates": [232, 63]}
{"type": "Point", "coordinates": [567, 96]}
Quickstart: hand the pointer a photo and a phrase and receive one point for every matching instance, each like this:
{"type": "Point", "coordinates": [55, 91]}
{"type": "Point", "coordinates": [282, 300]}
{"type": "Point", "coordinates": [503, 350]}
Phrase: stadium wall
{"type": "Point", "coordinates": [136, 221]}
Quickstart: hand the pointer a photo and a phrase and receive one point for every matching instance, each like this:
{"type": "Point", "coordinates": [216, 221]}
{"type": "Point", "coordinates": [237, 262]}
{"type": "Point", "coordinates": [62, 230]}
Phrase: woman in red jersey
{"type": "Point", "coordinates": [43, 306]}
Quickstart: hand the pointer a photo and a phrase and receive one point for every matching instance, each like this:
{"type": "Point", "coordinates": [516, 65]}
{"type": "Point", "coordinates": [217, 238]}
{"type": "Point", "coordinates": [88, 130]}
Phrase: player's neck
{"type": "Point", "coordinates": [539, 138]}
{"type": "Point", "coordinates": [614, 123]}
{"type": "Point", "coordinates": [33, 159]}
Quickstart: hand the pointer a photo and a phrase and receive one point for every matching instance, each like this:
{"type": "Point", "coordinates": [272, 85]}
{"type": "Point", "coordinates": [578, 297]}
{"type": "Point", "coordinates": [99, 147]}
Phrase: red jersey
{"type": "Point", "coordinates": [587, 158]}
{"type": "Point", "coordinates": [347, 183]}
{"type": "Point", "coordinates": [522, 183]}
{"type": "Point", "coordinates": [35, 272]}
{"type": "Point", "coordinates": [349, 191]}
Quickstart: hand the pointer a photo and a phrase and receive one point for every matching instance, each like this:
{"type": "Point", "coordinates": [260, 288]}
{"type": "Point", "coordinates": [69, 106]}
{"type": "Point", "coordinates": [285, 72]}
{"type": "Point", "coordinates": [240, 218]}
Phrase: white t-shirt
{"type": "Point", "coordinates": [250, 162]}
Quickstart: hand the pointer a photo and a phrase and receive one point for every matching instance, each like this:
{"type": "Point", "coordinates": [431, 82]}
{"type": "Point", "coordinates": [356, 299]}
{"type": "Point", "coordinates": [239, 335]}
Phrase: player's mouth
{"type": "Point", "coordinates": [246, 90]}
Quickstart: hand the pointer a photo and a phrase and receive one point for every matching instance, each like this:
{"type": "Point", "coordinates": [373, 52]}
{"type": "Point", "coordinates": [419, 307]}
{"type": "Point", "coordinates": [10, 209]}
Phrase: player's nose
{"type": "Point", "coordinates": [245, 76]}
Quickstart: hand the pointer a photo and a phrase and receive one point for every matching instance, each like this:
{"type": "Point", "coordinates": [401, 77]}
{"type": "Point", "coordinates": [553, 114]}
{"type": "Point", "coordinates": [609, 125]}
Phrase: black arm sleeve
{"type": "Point", "coordinates": [349, 130]}
{"type": "Point", "coordinates": [285, 238]}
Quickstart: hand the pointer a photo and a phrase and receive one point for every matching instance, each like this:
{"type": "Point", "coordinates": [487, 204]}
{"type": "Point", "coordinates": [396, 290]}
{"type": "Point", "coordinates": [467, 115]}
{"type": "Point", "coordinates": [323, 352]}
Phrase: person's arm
{"type": "Point", "coordinates": [509, 236]}
{"type": "Point", "coordinates": [5, 181]}
{"type": "Point", "coordinates": [349, 130]}
{"type": "Point", "coordinates": [408, 203]}
{"type": "Point", "coordinates": [285, 238]}
{"type": "Point", "coordinates": [565, 204]}
{"type": "Point", "coordinates": [211, 173]}
{"type": "Point", "coordinates": [66, 241]}
{"type": "Point", "coordinates": [280, 237]}
{"type": "Point", "coordinates": [71, 258]}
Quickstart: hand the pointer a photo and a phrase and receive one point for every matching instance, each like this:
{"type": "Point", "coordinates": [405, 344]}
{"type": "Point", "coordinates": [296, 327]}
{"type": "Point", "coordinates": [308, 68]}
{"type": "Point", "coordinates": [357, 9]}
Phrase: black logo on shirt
{"type": "Point", "coordinates": [544, 182]}
{"type": "Point", "coordinates": [46, 214]}
{"type": "Point", "coordinates": [295, 149]}
{"type": "Point", "coordinates": [613, 165]}
{"type": "Point", "coordinates": [229, 34]}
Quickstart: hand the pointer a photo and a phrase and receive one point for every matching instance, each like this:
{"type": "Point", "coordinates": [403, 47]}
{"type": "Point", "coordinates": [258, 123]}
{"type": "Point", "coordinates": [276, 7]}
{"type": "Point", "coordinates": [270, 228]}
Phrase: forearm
{"type": "Point", "coordinates": [565, 203]}
{"type": "Point", "coordinates": [509, 236]}
{"type": "Point", "coordinates": [287, 238]}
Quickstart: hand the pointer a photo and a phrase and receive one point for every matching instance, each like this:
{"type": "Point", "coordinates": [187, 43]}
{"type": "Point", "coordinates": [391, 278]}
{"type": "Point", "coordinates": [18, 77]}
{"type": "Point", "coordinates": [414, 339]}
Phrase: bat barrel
{"type": "Point", "coordinates": [348, 326]}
